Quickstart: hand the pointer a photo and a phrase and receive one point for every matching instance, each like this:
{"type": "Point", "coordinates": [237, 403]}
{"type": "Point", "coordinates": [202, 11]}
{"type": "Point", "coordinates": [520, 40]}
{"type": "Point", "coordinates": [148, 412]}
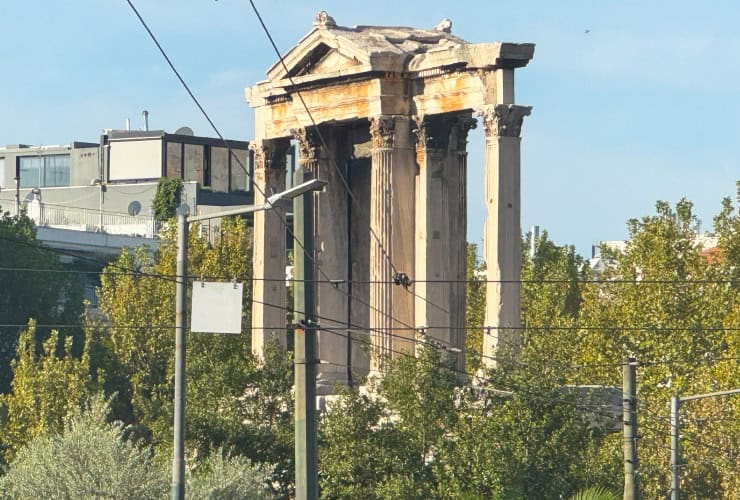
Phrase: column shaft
{"type": "Point", "coordinates": [331, 251]}
{"type": "Point", "coordinates": [382, 130]}
{"type": "Point", "coordinates": [433, 228]}
{"type": "Point", "coordinates": [269, 259]}
{"type": "Point", "coordinates": [502, 236]}
{"type": "Point", "coordinates": [458, 215]}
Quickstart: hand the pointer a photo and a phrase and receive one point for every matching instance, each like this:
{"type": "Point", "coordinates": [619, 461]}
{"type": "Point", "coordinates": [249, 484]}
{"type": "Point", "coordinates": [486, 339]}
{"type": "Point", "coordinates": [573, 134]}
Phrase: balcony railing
{"type": "Point", "coordinates": [83, 219]}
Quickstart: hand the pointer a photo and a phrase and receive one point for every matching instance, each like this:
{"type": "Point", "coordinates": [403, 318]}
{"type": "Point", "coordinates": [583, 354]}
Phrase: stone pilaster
{"type": "Point", "coordinates": [502, 235]}
{"type": "Point", "coordinates": [269, 258]}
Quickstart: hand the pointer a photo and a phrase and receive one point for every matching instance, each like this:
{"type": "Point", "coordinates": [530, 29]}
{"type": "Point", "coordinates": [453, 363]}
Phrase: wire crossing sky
{"type": "Point", "coordinates": [633, 101]}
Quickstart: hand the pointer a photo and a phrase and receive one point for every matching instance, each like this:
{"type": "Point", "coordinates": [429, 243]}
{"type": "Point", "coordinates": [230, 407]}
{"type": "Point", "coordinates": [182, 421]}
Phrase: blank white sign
{"type": "Point", "coordinates": [217, 307]}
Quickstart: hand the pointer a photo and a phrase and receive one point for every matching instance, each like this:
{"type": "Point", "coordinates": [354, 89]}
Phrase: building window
{"type": "Point", "coordinates": [207, 166]}
{"type": "Point", "coordinates": [44, 171]}
{"type": "Point", "coordinates": [2, 173]}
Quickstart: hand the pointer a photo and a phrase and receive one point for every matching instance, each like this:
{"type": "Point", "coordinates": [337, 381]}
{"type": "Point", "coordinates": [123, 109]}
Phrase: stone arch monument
{"type": "Point", "coordinates": [390, 111]}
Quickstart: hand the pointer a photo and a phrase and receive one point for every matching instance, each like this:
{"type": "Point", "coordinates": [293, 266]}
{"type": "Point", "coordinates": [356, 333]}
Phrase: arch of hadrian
{"type": "Point", "coordinates": [393, 106]}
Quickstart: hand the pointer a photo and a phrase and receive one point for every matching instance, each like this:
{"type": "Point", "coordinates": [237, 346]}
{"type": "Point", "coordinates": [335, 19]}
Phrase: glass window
{"type": "Point", "coordinates": [44, 171]}
{"type": "Point", "coordinates": [56, 170]}
{"type": "Point", "coordinates": [2, 173]}
{"type": "Point", "coordinates": [30, 168]}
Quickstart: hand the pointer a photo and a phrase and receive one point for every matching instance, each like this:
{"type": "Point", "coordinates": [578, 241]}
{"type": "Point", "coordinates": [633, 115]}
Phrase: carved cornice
{"type": "Point", "coordinates": [308, 146]}
{"type": "Point", "coordinates": [504, 120]}
{"type": "Point", "coordinates": [382, 131]}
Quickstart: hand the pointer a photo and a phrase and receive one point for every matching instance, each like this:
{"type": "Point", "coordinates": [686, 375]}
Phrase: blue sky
{"type": "Point", "coordinates": [642, 107]}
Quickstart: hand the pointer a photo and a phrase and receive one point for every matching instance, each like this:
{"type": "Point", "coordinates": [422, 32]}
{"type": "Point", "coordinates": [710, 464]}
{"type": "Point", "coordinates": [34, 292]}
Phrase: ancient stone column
{"type": "Point", "coordinates": [502, 235]}
{"type": "Point", "coordinates": [382, 130]}
{"type": "Point", "coordinates": [433, 228]}
{"type": "Point", "coordinates": [392, 239]}
{"type": "Point", "coordinates": [331, 248]}
{"type": "Point", "coordinates": [458, 216]}
{"type": "Point", "coordinates": [269, 259]}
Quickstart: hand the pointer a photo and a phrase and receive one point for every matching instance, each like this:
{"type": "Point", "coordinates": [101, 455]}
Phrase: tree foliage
{"type": "Point", "coordinates": [93, 458]}
{"type": "Point", "coordinates": [234, 400]}
{"type": "Point", "coordinates": [422, 435]}
{"type": "Point", "coordinates": [224, 477]}
{"type": "Point", "coordinates": [39, 290]}
{"type": "Point", "coordinates": [671, 303]}
{"type": "Point", "coordinates": [475, 307]}
{"type": "Point", "coordinates": [46, 387]}
{"type": "Point", "coordinates": [167, 198]}
{"type": "Point", "coordinates": [89, 458]}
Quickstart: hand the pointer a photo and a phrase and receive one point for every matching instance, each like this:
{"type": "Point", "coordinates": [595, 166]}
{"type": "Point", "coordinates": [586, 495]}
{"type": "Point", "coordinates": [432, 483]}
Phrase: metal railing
{"type": "Point", "coordinates": [84, 219]}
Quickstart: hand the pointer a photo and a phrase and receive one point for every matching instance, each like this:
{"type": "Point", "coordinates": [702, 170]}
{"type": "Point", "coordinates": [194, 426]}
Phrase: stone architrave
{"type": "Point", "coordinates": [269, 259]}
{"type": "Point", "coordinates": [502, 238]}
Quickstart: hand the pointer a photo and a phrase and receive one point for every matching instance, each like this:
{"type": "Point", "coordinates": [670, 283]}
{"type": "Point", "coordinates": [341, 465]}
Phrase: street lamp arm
{"type": "Point", "coordinates": [225, 213]}
{"type": "Point", "coordinates": [709, 395]}
{"type": "Point", "coordinates": [296, 191]}
{"type": "Point", "coordinates": [288, 194]}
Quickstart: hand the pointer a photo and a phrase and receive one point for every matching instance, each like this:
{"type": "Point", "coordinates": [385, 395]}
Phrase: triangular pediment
{"type": "Point", "coordinates": [320, 54]}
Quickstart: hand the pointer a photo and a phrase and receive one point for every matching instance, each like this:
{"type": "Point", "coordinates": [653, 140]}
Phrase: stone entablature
{"type": "Point", "coordinates": [356, 73]}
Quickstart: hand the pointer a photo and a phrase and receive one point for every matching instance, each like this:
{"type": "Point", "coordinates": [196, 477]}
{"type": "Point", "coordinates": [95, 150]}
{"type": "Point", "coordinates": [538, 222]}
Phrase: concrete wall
{"type": "Point", "coordinates": [116, 197]}
{"type": "Point", "coordinates": [83, 159]}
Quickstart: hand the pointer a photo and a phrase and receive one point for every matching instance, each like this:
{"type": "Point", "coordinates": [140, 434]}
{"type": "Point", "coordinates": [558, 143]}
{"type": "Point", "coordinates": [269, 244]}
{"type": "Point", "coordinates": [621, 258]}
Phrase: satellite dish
{"type": "Point", "coordinates": [134, 208]}
{"type": "Point", "coordinates": [184, 131]}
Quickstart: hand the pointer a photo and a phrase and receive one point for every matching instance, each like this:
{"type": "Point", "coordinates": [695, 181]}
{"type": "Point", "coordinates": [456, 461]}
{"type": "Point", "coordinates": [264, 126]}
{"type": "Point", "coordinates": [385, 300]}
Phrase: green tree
{"type": "Point", "coordinates": [223, 477]}
{"type": "Point", "coordinates": [475, 313]}
{"type": "Point", "coordinates": [234, 400]}
{"type": "Point", "coordinates": [670, 303]}
{"type": "Point", "coordinates": [551, 296]}
{"type": "Point", "coordinates": [88, 458]}
{"type": "Point", "coordinates": [423, 436]}
{"type": "Point", "coordinates": [33, 273]}
{"type": "Point", "coordinates": [46, 387]}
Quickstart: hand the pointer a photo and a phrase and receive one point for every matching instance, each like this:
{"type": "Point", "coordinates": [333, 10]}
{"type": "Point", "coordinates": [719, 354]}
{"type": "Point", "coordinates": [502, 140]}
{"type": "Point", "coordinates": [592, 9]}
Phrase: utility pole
{"type": "Point", "coordinates": [178, 457]}
{"type": "Point", "coordinates": [183, 224]}
{"type": "Point", "coordinates": [675, 451]}
{"type": "Point", "coordinates": [675, 438]}
{"type": "Point", "coordinates": [629, 417]}
{"type": "Point", "coordinates": [306, 452]}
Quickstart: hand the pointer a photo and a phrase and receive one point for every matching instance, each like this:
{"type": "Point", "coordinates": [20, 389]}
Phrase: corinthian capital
{"type": "Point", "coordinates": [382, 131]}
{"type": "Point", "coordinates": [463, 125]}
{"type": "Point", "coordinates": [269, 154]}
{"type": "Point", "coordinates": [504, 120]}
{"type": "Point", "coordinates": [308, 146]}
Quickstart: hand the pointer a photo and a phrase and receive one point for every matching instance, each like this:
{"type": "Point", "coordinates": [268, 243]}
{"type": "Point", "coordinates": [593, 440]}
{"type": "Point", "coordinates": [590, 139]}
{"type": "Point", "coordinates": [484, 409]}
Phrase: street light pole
{"type": "Point", "coordinates": [183, 224]}
{"type": "Point", "coordinates": [178, 460]}
{"type": "Point", "coordinates": [675, 438]}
